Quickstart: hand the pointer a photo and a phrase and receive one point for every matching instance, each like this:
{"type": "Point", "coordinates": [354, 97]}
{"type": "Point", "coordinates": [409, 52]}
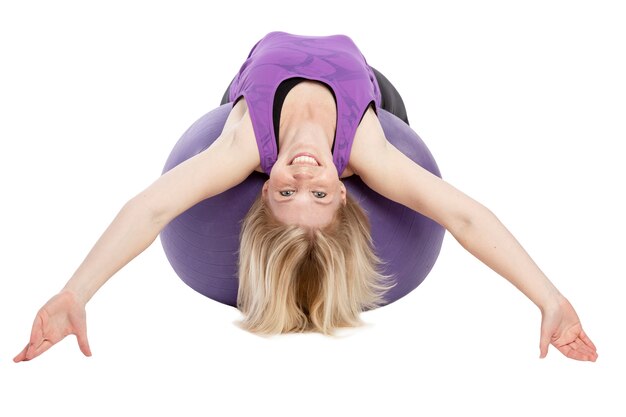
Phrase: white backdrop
{"type": "Point", "coordinates": [522, 105]}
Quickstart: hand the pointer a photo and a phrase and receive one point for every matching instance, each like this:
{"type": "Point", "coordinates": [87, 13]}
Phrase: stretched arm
{"type": "Point", "coordinates": [475, 227]}
{"type": "Point", "coordinates": [226, 163]}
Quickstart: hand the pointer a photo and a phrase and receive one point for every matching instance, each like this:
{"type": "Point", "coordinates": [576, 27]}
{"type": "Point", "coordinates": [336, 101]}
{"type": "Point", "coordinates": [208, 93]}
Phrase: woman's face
{"type": "Point", "coordinates": [304, 188]}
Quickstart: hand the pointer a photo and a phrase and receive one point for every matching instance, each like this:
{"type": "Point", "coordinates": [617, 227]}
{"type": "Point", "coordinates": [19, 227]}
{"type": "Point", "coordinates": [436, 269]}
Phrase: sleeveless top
{"type": "Point", "coordinates": [333, 60]}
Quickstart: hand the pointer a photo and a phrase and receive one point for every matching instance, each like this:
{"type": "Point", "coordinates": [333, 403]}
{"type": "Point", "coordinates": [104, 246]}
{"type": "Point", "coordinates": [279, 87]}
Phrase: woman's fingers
{"type": "Point", "coordinates": [83, 343]}
{"type": "Point", "coordinates": [39, 337]}
{"type": "Point", "coordinates": [36, 334]}
{"type": "Point", "coordinates": [544, 342]}
{"type": "Point", "coordinates": [33, 350]}
{"type": "Point", "coordinates": [36, 337]}
{"type": "Point", "coordinates": [22, 355]}
{"type": "Point", "coordinates": [547, 330]}
{"type": "Point", "coordinates": [36, 350]}
{"type": "Point", "coordinates": [579, 350]}
{"type": "Point", "coordinates": [588, 342]}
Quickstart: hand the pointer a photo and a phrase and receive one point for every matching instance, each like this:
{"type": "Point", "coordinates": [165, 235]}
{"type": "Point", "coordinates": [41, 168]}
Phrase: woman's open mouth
{"type": "Point", "coordinates": [305, 159]}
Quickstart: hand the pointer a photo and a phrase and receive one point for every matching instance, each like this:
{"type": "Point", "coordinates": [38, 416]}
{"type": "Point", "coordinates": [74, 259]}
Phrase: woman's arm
{"type": "Point", "coordinates": [476, 228]}
{"type": "Point", "coordinates": [226, 163]}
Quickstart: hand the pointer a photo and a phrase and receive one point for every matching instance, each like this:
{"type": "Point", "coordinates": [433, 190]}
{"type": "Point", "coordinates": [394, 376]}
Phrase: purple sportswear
{"type": "Point", "coordinates": [332, 60]}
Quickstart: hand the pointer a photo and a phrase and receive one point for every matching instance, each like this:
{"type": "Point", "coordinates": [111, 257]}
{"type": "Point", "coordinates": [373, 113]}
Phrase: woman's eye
{"type": "Point", "coordinates": [287, 193]}
{"type": "Point", "coordinates": [319, 194]}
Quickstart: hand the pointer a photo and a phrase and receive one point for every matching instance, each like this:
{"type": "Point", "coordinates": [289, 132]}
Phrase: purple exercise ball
{"type": "Point", "coordinates": [202, 243]}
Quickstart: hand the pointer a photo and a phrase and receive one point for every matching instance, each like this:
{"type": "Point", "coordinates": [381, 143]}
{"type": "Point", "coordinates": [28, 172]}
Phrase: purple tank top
{"type": "Point", "coordinates": [333, 60]}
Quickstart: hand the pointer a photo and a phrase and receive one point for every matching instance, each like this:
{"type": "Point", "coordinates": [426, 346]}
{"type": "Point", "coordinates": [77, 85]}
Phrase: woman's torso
{"type": "Point", "coordinates": [336, 77]}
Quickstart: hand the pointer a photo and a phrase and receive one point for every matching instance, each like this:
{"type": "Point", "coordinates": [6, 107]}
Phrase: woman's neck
{"type": "Point", "coordinates": [306, 133]}
{"type": "Point", "coordinates": [309, 113]}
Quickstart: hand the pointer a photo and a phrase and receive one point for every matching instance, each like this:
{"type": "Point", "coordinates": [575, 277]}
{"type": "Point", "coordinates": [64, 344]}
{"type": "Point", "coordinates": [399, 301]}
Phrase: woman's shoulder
{"type": "Point", "coordinates": [239, 132]}
{"type": "Point", "coordinates": [369, 141]}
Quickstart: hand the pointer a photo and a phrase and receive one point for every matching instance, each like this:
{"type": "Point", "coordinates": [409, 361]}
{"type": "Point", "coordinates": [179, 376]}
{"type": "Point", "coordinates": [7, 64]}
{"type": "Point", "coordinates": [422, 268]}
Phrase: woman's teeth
{"type": "Point", "coordinates": [304, 160]}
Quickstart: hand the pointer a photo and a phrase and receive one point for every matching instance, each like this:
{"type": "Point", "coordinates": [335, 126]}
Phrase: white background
{"type": "Point", "coordinates": [522, 104]}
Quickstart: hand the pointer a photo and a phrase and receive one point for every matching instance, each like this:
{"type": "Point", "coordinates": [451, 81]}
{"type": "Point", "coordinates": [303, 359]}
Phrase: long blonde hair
{"type": "Point", "coordinates": [295, 279]}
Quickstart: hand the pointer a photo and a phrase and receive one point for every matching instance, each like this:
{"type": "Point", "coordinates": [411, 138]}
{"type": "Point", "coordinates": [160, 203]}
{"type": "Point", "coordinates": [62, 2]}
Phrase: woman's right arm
{"type": "Point", "coordinates": [226, 163]}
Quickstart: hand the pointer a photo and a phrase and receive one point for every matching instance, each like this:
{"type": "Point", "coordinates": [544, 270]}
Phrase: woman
{"type": "Point", "coordinates": [305, 258]}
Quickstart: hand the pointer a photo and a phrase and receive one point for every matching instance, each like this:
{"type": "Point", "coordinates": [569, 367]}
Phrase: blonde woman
{"type": "Point", "coordinates": [305, 113]}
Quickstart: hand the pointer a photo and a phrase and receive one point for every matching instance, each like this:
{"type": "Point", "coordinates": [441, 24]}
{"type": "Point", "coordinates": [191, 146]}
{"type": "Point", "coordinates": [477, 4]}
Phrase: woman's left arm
{"type": "Point", "coordinates": [389, 172]}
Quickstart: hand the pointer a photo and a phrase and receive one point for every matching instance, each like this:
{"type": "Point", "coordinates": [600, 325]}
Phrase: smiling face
{"type": "Point", "coordinates": [304, 189]}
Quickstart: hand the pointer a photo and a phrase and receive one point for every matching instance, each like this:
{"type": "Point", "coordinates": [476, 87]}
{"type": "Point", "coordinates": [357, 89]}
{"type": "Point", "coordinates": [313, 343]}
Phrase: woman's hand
{"type": "Point", "coordinates": [63, 315]}
{"type": "Point", "coordinates": [560, 326]}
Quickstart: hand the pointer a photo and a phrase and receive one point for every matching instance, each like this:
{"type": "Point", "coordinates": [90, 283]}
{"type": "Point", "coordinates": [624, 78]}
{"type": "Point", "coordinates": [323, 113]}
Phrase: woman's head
{"type": "Point", "coordinates": [304, 189]}
{"type": "Point", "coordinates": [295, 278]}
{"type": "Point", "coordinates": [304, 186]}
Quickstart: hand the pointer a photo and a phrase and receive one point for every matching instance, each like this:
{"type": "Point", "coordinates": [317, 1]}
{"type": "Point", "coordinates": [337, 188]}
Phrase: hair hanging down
{"type": "Point", "coordinates": [296, 279]}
